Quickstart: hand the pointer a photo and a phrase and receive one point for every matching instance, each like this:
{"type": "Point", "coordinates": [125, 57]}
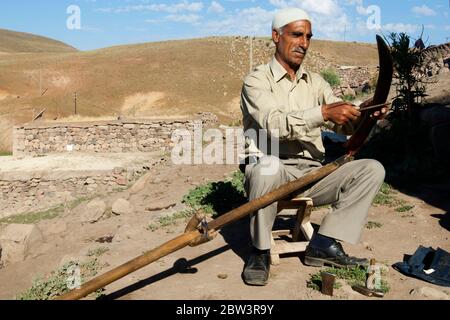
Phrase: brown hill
{"type": "Point", "coordinates": [16, 42]}
{"type": "Point", "coordinates": [157, 79]}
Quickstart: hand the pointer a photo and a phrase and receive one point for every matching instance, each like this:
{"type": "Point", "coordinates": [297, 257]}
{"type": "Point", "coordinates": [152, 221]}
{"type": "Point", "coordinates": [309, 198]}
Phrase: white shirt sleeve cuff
{"type": "Point", "coordinates": [313, 117]}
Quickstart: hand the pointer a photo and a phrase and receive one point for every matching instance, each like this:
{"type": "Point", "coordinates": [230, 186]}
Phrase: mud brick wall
{"type": "Point", "coordinates": [101, 137]}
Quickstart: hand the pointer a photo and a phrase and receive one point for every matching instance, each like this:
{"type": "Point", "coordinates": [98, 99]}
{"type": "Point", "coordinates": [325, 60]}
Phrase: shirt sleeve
{"type": "Point", "coordinates": [259, 102]}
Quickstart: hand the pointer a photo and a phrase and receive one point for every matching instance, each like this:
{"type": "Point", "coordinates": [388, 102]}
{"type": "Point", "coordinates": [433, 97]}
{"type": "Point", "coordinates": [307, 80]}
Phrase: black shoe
{"type": "Point", "coordinates": [333, 255]}
{"type": "Point", "coordinates": [256, 272]}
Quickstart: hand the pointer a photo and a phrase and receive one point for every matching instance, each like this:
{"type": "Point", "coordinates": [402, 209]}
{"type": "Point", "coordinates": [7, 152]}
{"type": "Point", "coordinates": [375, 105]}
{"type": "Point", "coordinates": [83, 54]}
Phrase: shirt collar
{"type": "Point", "coordinates": [279, 72]}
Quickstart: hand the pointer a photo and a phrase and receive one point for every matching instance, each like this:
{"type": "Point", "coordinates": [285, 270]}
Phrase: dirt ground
{"type": "Point", "coordinates": [198, 268]}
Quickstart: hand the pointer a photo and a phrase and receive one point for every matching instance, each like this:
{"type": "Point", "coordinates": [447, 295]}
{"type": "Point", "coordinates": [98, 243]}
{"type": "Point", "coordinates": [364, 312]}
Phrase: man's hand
{"type": "Point", "coordinates": [340, 112]}
{"type": "Point", "coordinates": [377, 115]}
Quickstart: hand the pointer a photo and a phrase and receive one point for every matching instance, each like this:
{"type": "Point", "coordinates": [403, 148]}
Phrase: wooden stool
{"type": "Point", "coordinates": [301, 207]}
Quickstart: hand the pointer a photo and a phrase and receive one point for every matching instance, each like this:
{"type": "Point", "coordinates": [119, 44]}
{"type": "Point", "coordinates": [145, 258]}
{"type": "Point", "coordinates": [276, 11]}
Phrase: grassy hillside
{"type": "Point", "coordinates": [19, 42]}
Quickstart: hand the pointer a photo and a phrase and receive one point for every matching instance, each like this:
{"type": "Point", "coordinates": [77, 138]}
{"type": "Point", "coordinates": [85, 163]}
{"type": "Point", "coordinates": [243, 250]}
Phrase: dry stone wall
{"type": "Point", "coordinates": [37, 191]}
{"type": "Point", "coordinates": [101, 137]}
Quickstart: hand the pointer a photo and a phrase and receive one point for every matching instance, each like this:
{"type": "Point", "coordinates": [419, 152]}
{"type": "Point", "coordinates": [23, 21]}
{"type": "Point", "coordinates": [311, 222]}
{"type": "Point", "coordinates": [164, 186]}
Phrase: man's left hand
{"type": "Point", "coordinates": [380, 115]}
{"type": "Point", "coordinates": [377, 115]}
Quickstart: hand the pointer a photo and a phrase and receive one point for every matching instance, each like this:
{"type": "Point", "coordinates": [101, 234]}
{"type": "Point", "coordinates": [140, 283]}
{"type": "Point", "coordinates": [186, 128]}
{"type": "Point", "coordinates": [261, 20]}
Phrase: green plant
{"type": "Point", "coordinates": [373, 225]}
{"type": "Point", "coordinates": [331, 77]}
{"type": "Point", "coordinates": [403, 145]}
{"type": "Point", "coordinates": [97, 252]}
{"type": "Point", "coordinates": [35, 217]}
{"type": "Point", "coordinates": [218, 197]}
{"type": "Point", "coordinates": [316, 282]}
{"type": "Point", "coordinates": [170, 220]}
{"type": "Point", "coordinates": [385, 196]}
{"type": "Point", "coordinates": [152, 227]}
{"type": "Point", "coordinates": [5, 153]}
{"type": "Point", "coordinates": [404, 208]}
{"type": "Point", "coordinates": [59, 281]}
{"type": "Point", "coordinates": [348, 97]}
{"type": "Point", "coordinates": [353, 276]}
{"type": "Point", "coordinates": [236, 123]}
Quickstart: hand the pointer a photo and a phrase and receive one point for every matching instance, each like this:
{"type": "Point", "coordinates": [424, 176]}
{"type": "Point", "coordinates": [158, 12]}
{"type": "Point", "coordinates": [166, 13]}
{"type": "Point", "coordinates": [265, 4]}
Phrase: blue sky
{"type": "Point", "coordinates": [106, 23]}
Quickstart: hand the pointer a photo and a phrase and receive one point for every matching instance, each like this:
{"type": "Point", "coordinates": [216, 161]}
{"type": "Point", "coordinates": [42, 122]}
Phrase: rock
{"type": "Point", "coordinates": [56, 227]}
{"type": "Point", "coordinates": [118, 170]}
{"type": "Point", "coordinates": [160, 207]}
{"type": "Point", "coordinates": [348, 91]}
{"type": "Point", "coordinates": [18, 241]}
{"type": "Point", "coordinates": [157, 180]}
{"type": "Point", "coordinates": [94, 211]}
{"type": "Point", "coordinates": [140, 184]}
{"type": "Point", "coordinates": [368, 246]}
{"type": "Point", "coordinates": [121, 181]}
{"type": "Point", "coordinates": [429, 293]}
{"type": "Point", "coordinates": [122, 206]}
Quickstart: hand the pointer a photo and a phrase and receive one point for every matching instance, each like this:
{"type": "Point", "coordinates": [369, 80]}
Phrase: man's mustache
{"type": "Point", "coordinates": [300, 50]}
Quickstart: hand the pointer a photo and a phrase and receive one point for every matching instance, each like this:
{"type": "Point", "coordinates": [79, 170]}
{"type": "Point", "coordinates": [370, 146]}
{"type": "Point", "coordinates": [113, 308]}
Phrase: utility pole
{"type": "Point", "coordinates": [251, 54]}
{"type": "Point", "coordinates": [345, 31]}
{"type": "Point", "coordinates": [75, 100]}
{"type": "Point", "coordinates": [40, 80]}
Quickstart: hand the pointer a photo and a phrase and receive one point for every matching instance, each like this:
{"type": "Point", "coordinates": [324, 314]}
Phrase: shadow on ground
{"type": "Point", "coordinates": [180, 266]}
{"type": "Point", "coordinates": [434, 193]}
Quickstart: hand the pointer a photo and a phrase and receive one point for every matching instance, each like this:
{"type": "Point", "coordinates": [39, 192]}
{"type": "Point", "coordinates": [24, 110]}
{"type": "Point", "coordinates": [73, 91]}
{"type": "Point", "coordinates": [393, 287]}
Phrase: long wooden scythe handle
{"type": "Point", "coordinates": [194, 236]}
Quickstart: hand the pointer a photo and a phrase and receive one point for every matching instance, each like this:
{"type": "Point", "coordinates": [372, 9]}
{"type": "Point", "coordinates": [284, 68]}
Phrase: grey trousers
{"type": "Point", "coordinates": [350, 190]}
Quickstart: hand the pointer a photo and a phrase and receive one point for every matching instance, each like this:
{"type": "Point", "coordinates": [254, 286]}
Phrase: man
{"type": "Point", "coordinates": [283, 96]}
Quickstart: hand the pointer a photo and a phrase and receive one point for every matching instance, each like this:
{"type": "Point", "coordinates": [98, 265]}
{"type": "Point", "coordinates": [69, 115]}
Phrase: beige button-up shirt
{"type": "Point", "coordinates": [293, 108]}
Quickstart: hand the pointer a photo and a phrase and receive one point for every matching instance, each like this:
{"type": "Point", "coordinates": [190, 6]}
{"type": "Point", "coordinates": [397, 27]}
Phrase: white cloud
{"type": "Point", "coordinates": [401, 27]}
{"type": "Point", "coordinates": [327, 7]}
{"type": "Point", "coordinates": [249, 21]}
{"type": "Point", "coordinates": [424, 11]}
{"type": "Point", "coordinates": [172, 8]}
{"type": "Point", "coordinates": [184, 18]}
{"type": "Point", "coordinates": [353, 2]}
{"type": "Point", "coordinates": [216, 7]}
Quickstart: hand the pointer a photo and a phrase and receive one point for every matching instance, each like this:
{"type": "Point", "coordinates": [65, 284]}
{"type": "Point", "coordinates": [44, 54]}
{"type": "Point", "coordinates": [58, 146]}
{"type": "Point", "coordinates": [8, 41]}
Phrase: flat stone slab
{"type": "Point", "coordinates": [18, 240]}
{"type": "Point", "coordinates": [75, 161]}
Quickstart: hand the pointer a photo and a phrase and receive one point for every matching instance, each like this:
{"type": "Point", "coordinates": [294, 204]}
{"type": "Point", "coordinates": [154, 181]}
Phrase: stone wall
{"type": "Point", "coordinates": [38, 191]}
{"type": "Point", "coordinates": [101, 137]}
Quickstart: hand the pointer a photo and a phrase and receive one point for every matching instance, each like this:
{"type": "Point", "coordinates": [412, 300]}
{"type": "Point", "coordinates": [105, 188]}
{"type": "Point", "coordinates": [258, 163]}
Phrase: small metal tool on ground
{"type": "Point", "coordinates": [328, 280]}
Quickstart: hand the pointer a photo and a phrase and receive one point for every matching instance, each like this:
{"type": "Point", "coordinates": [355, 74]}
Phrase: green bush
{"type": "Point", "coordinates": [57, 283]}
{"type": "Point", "coordinates": [218, 197]}
{"type": "Point", "coordinates": [331, 77]}
{"type": "Point", "coordinates": [403, 145]}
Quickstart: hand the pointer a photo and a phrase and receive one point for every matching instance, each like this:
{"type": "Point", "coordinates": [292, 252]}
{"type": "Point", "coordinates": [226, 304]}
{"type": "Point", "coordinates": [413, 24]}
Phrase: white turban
{"type": "Point", "coordinates": [288, 15]}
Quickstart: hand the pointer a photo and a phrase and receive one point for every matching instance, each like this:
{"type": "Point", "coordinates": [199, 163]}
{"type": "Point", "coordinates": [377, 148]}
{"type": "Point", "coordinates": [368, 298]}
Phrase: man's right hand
{"type": "Point", "coordinates": [340, 113]}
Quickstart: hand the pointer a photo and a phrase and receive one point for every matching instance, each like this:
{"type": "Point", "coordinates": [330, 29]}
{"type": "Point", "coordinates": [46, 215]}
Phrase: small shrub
{"type": "Point", "coordinates": [373, 225]}
{"type": "Point", "coordinates": [404, 208]}
{"type": "Point", "coordinates": [170, 220]}
{"type": "Point", "coordinates": [216, 198]}
{"type": "Point", "coordinates": [152, 227]}
{"type": "Point", "coordinates": [331, 77]}
{"type": "Point", "coordinates": [353, 276]}
{"type": "Point", "coordinates": [97, 252]}
{"type": "Point", "coordinates": [58, 282]}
